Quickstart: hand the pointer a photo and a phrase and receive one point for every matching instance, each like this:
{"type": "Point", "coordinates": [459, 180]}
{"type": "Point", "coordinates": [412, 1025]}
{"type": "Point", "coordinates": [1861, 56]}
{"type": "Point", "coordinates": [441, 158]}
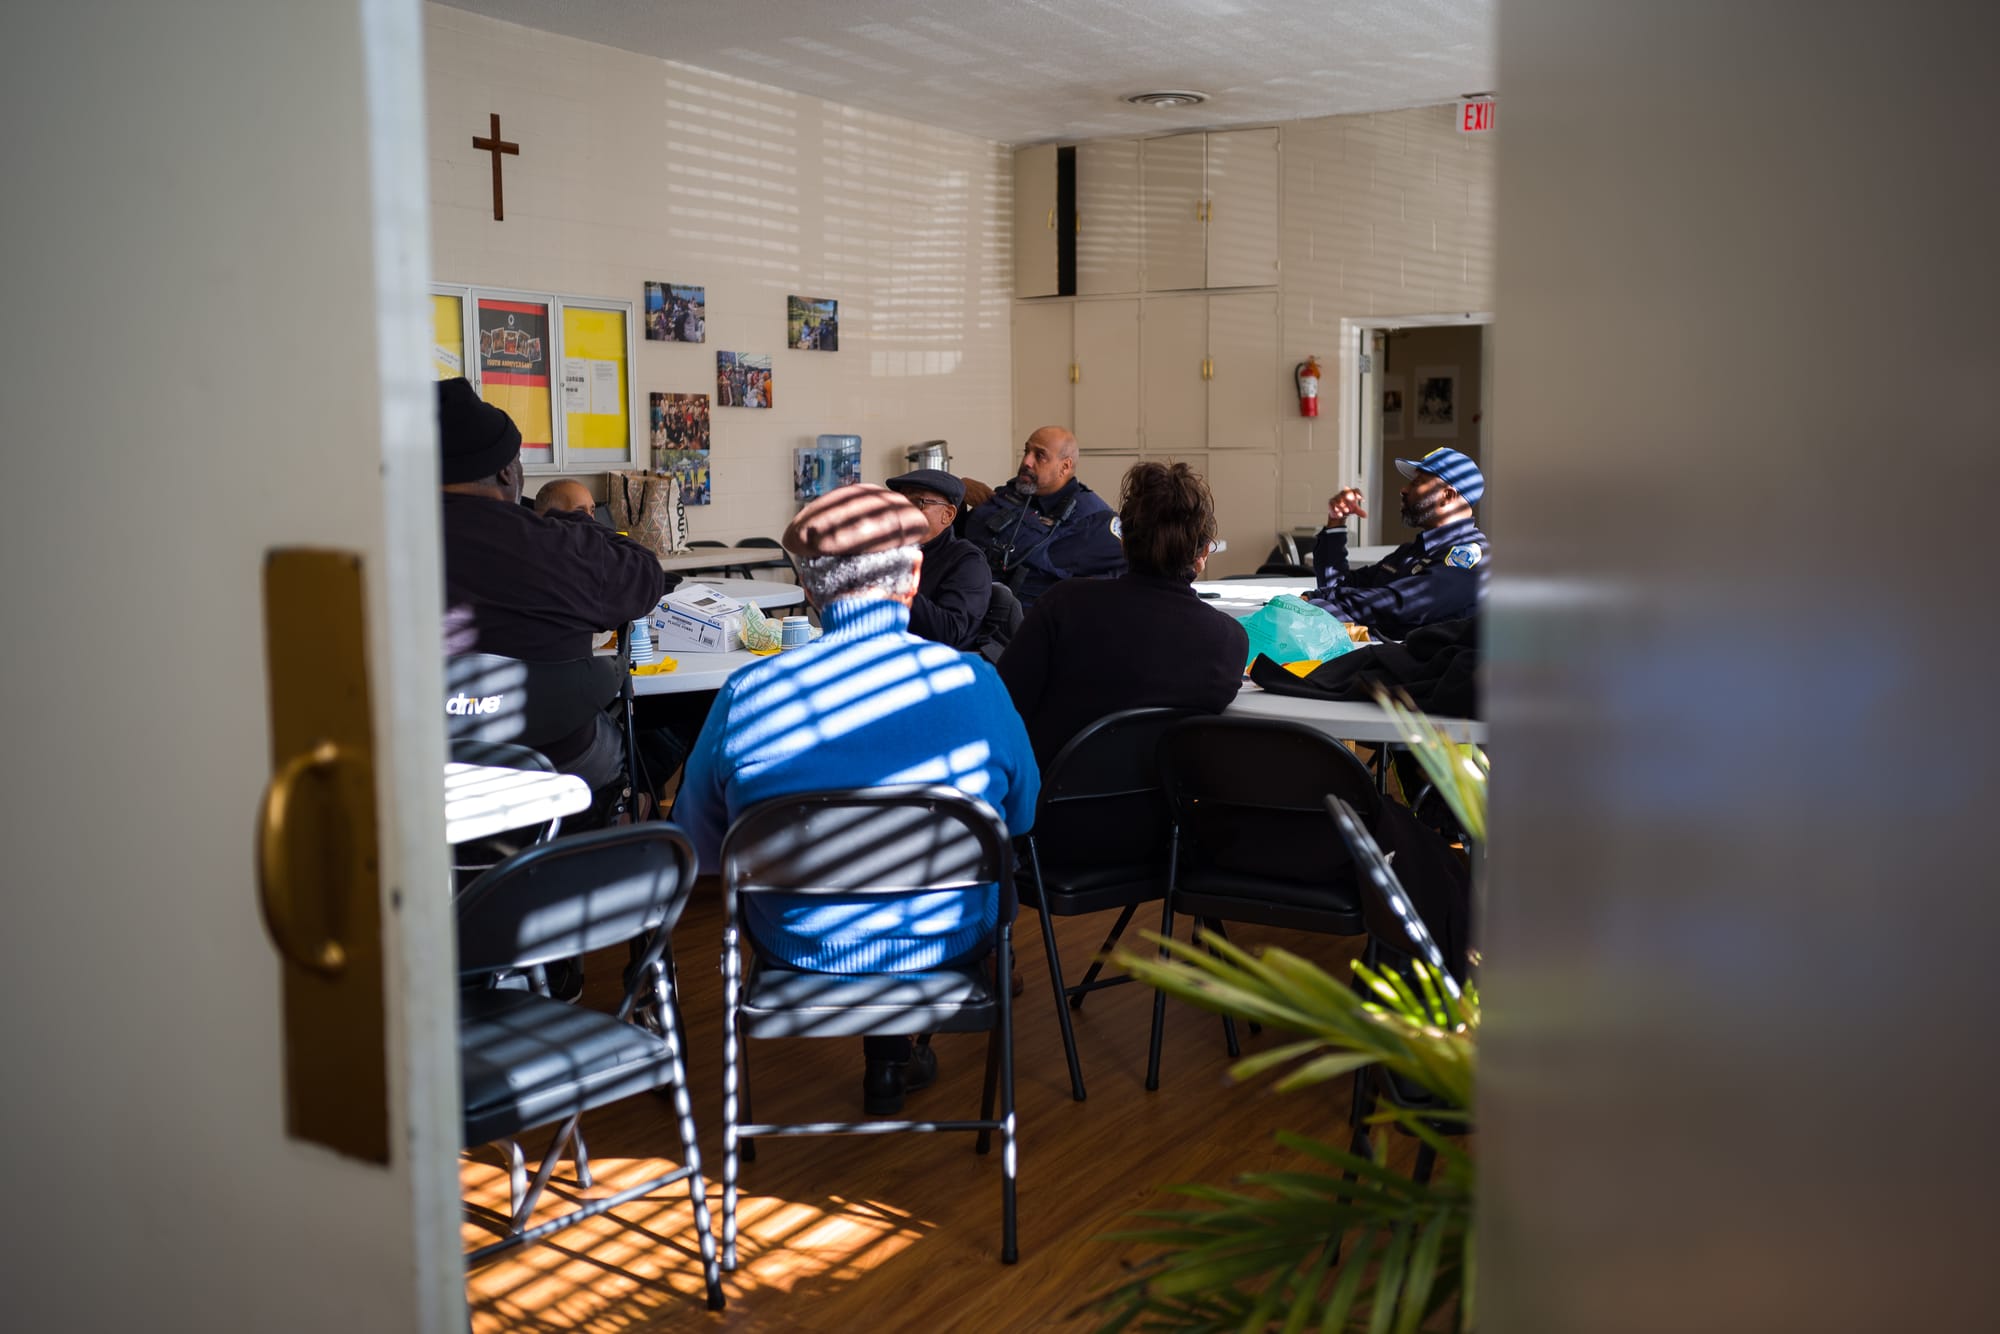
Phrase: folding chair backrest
{"type": "Point", "coordinates": [885, 840]}
{"type": "Point", "coordinates": [491, 698]}
{"type": "Point", "coordinates": [1249, 794]}
{"type": "Point", "coordinates": [1386, 909]}
{"type": "Point", "coordinates": [574, 895]}
{"type": "Point", "coordinates": [1103, 800]}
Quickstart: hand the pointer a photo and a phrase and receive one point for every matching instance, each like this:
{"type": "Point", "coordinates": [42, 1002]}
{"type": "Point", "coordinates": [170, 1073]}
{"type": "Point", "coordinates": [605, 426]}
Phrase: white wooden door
{"type": "Point", "coordinates": [216, 231]}
{"type": "Point", "coordinates": [1173, 205]}
{"type": "Point", "coordinates": [1243, 208]}
{"type": "Point", "coordinates": [1244, 375]}
{"type": "Point", "coordinates": [1035, 237]}
{"type": "Point", "coordinates": [1043, 354]}
{"type": "Point", "coordinates": [1107, 374]}
{"type": "Point", "coordinates": [1107, 217]}
{"type": "Point", "coordinates": [1245, 486]}
{"type": "Point", "coordinates": [1173, 353]}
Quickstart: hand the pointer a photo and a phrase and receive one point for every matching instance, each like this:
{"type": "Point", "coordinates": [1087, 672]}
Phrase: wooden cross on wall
{"type": "Point", "coordinates": [495, 145]}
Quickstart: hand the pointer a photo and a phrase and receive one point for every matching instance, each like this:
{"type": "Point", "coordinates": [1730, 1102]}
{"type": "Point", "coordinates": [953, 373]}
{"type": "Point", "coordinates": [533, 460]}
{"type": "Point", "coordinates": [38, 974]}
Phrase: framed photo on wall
{"type": "Point", "coordinates": [1437, 403]}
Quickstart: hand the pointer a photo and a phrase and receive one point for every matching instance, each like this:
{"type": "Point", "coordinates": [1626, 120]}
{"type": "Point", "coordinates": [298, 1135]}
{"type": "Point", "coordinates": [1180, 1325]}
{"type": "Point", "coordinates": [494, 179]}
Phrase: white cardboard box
{"type": "Point", "coordinates": [695, 618]}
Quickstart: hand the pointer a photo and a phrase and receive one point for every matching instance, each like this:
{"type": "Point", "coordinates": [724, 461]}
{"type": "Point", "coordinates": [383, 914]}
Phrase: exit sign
{"type": "Point", "coordinates": [1475, 115]}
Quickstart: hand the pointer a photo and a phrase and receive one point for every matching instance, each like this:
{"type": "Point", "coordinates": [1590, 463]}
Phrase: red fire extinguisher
{"type": "Point", "coordinates": [1306, 375]}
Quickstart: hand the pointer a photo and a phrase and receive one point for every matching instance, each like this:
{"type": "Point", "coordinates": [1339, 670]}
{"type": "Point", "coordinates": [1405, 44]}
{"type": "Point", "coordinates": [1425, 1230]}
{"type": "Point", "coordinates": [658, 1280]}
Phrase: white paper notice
{"type": "Point", "coordinates": [576, 385]}
{"type": "Point", "coordinates": [447, 359]}
{"type": "Point", "coordinates": [604, 388]}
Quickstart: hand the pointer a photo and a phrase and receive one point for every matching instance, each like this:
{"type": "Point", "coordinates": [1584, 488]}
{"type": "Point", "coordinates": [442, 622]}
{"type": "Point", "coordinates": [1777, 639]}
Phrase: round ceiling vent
{"type": "Point", "coordinates": [1172, 97]}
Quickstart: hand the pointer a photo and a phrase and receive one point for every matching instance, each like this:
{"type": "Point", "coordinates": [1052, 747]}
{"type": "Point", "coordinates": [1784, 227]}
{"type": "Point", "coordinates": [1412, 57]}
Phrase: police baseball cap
{"type": "Point", "coordinates": [930, 479]}
{"type": "Point", "coordinates": [1452, 467]}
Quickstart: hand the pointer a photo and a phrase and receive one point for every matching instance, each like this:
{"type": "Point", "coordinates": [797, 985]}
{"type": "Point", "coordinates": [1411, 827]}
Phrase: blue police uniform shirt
{"type": "Point", "coordinates": [1440, 575]}
{"type": "Point", "coordinates": [1033, 545]}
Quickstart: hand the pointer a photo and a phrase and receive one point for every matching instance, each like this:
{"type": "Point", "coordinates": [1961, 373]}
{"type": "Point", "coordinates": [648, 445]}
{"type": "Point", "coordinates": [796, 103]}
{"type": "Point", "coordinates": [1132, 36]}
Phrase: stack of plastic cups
{"type": "Point", "coordinates": [642, 642]}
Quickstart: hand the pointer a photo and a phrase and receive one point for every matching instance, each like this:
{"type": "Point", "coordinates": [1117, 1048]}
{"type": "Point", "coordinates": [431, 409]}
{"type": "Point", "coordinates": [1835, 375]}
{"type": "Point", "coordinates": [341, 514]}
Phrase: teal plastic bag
{"type": "Point", "coordinates": [1290, 629]}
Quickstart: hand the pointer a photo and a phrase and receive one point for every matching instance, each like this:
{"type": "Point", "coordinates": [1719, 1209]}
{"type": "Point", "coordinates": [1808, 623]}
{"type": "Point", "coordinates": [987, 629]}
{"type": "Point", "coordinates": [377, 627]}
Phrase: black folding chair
{"type": "Point", "coordinates": [892, 842]}
{"type": "Point", "coordinates": [527, 1061]}
{"type": "Point", "coordinates": [1103, 838]}
{"type": "Point", "coordinates": [1396, 934]}
{"type": "Point", "coordinates": [779, 560]}
{"type": "Point", "coordinates": [1247, 797]}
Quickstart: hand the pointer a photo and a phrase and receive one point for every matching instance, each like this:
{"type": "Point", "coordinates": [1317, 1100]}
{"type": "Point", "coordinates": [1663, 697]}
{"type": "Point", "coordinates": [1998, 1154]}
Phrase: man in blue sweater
{"type": "Point", "coordinates": [866, 704]}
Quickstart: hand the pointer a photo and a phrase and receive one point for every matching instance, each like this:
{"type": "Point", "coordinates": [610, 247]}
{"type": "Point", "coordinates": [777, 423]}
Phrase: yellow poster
{"type": "Point", "coordinates": [447, 336]}
{"type": "Point", "coordinates": [596, 385]}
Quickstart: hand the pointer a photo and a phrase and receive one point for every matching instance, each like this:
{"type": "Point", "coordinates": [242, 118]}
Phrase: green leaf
{"type": "Point", "coordinates": [1353, 1269]}
{"type": "Point", "coordinates": [1388, 1281]}
{"type": "Point", "coordinates": [1251, 1066]}
{"type": "Point", "coordinates": [1307, 1295]}
{"type": "Point", "coordinates": [1423, 1269]}
{"type": "Point", "coordinates": [1324, 1068]}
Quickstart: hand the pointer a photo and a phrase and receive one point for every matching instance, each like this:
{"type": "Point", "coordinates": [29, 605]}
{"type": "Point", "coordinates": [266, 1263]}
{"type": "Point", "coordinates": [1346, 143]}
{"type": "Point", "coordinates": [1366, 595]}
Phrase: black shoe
{"type": "Point", "coordinates": [885, 1083]}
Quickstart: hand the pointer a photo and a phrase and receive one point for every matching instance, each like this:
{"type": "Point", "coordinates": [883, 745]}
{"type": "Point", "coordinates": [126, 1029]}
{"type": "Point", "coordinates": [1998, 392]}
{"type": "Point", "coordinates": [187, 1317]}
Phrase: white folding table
{"type": "Point", "coordinates": [480, 799]}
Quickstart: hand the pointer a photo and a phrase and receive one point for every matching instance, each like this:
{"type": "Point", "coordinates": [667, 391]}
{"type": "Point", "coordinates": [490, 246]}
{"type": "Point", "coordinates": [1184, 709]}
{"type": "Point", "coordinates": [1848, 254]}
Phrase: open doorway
{"type": "Point", "coordinates": [1425, 383]}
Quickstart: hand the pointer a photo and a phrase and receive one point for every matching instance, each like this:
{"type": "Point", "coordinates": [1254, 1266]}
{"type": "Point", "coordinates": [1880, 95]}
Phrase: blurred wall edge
{"type": "Point", "coordinates": [1739, 1066]}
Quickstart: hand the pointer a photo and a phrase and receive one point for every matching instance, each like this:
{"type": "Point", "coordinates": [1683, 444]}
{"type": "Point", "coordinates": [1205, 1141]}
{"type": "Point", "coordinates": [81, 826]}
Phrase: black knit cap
{"type": "Point", "coordinates": [475, 439]}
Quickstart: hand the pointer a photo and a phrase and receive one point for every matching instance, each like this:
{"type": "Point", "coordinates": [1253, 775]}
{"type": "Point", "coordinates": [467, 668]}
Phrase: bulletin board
{"type": "Point", "coordinates": [559, 366]}
{"type": "Point", "coordinates": [596, 383]}
{"type": "Point", "coordinates": [447, 335]}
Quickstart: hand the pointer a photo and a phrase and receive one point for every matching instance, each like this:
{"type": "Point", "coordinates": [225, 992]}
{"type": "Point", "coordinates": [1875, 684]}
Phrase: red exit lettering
{"type": "Point", "coordinates": [1475, 117]}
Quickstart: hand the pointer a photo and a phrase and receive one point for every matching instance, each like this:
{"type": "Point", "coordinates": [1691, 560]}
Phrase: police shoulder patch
{"type": "Point", "coordinates": [1117, 529]}
{"type": "Point", "coordinates": [1464, 557]}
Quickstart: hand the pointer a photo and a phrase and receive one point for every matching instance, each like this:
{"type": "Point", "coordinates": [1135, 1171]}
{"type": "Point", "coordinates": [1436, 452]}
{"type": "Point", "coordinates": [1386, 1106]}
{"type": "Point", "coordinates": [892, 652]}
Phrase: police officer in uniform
{"type": "Point", "coordinates": [1047, 526]}
{"type": "Point", "coordinates": [1440, 575]}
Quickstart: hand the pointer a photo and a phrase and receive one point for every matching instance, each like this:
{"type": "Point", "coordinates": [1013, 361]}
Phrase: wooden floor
{"type": "Point", "coordinates": [899, 1231]}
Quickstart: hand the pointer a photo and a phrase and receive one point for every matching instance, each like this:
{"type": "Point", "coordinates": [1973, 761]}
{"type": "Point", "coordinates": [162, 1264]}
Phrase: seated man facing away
{"type": "Point", "coordinates": [865, 705]}
{"type": "Point", "coordinates": [1092, 647]}
{"type": "Point", "coordinates": [956, 586]}
{"type": "Point", "coordinates": [566, 495]}
{"type": "Point", "coordinates": [1439, 575]}
{"type": "Point", "coordinates": [1047, 526]}
{"type": "Point", "coordinates": [532, 587]}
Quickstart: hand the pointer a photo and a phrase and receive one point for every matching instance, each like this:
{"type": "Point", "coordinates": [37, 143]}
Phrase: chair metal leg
{"type": "Point", "coordinates": [517, 1180]}
{"type": "Point", "coordinates": [1160, 997]}
{"type": "Point", "coordinates": [732, 1054]}
{"type": "Point", "coordinates": [1097, 960]}
{"type": "Point", "coordinates": [1010, 1250]}
{"type": "Point", "coordinates": [667, 1005]}
{"type": "Point", "coordinates": [985, 1140]}
{"type": "Point", "coordinates": [1055, 974]}
{"type": "Point", "coordinates": [1426, 1163]}
{"type": "Point", "coordinates": [525, 1204]}
{"type": "Point", "coordinates": [580, 1155]}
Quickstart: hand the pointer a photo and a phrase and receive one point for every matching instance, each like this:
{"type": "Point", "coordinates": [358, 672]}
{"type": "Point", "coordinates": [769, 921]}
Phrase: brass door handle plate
{"type": "Point", "coordinates": [321, 953]}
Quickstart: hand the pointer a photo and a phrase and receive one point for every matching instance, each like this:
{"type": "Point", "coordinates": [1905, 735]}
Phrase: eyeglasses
{"type": "Point", "coordinates": [934, 502]}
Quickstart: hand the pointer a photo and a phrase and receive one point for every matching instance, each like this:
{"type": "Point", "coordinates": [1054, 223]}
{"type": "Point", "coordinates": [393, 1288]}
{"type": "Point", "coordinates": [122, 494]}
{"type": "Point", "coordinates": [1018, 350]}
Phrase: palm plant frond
{"type": "Point", "coordinates": [1340, 1242]}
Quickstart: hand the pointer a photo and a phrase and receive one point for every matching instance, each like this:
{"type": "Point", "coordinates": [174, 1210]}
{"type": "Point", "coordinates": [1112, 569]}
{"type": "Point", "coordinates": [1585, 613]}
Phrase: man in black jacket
{"type": "Point", "coordinates": [532, 587]}
{"type": "Point", "coordinates": [955, 585]}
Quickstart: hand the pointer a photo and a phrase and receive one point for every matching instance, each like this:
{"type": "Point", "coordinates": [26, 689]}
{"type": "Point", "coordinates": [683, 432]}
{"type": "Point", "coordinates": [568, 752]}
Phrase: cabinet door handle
{"type": "Point", "coordinates": [1079, 222]}
{"type": "Point", "coordinates": [1075, 373]}
{"type": "Point", "coordinates": [1052, 219]}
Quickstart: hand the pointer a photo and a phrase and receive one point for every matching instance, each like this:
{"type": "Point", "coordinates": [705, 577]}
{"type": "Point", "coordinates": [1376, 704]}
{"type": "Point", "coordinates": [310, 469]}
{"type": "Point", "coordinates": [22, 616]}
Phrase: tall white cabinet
{"type": "Point", "coordinates": [1168, 347]}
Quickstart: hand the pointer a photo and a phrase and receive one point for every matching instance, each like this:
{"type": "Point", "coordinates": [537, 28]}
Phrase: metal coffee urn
{"type": "Point", "coordinates": [929, 454]}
